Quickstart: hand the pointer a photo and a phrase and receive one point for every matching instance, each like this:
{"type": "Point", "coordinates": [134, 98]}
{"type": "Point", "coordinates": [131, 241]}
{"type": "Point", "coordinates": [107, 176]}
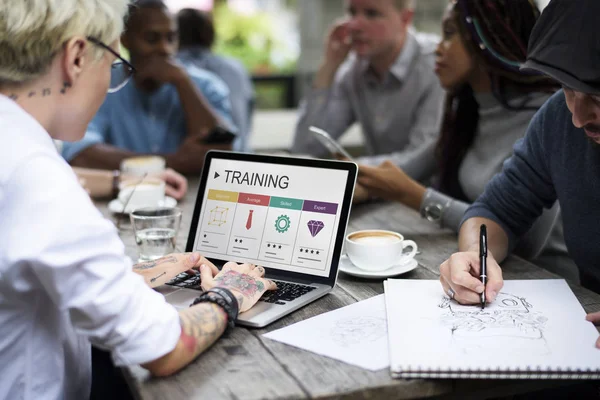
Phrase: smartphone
{"type": "Point", "coordinates": [219, 135]}
{"type": "Point", "coordinates": [326, 140]}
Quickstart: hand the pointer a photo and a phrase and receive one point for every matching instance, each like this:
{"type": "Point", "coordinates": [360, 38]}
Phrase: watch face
{"type": "Point", "coordinates": [433, 212]}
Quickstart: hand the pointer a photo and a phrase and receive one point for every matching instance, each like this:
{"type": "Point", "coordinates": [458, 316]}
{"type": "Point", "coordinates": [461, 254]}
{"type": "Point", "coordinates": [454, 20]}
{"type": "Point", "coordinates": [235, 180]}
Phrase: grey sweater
{"type": "Point", "coordinates": [554, 161]}
{"type": "Point", "coordinates": [498, 130]}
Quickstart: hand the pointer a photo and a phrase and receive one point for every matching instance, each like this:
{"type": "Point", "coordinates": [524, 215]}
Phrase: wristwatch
{"type": "Point", "coordinates": [224, 299]}
{"type": "Point", "coordinates": [433, 206]}
{"type": "Point", "coordinates": [433, 212]}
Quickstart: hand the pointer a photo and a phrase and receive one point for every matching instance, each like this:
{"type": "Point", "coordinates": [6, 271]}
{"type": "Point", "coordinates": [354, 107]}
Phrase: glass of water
{"type": "Point", "coordinates": [155, 230]}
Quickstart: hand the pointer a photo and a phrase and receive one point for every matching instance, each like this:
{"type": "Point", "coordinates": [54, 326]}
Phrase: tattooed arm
{"type": "Point", "coordinates": [158, 272]}
{"type": "Point", "coordinates": [204, 323]}
{"type": "Point", "coordinates": [201, 326]}
{"type": "Point", "coordinates": [245, 280]}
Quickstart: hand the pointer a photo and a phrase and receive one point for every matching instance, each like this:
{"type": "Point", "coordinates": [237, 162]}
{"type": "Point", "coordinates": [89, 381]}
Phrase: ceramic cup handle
{"type": "Point", "coordinates": [409, 243]}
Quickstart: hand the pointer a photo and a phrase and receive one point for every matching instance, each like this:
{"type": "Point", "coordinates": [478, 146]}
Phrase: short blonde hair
{"type": "Point", "coordinates": [405, 4]}
{"type": "Point", "coordinates": [33, 32]}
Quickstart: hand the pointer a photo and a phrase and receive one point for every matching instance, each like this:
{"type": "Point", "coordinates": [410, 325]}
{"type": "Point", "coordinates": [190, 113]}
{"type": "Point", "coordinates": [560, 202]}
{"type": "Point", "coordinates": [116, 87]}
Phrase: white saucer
{"type": "Point", "coordinates": [116, 207]}
{"type": "Point", "coordinates": [347, 267]}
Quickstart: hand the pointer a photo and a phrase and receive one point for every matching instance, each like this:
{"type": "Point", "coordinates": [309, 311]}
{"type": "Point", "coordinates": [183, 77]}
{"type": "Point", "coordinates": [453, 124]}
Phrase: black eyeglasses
{"type": "Point", "coordinates": [121, 71]}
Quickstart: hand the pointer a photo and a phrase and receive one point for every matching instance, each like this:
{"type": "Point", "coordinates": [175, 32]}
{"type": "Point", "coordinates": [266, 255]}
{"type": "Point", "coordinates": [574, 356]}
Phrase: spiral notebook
{"type": "Point", "coordinates": [536, 329]}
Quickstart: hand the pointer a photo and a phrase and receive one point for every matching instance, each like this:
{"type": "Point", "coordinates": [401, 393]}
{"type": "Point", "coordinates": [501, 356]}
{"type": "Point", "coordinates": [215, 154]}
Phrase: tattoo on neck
{"type": "Point", "coordinates": [66, 85]}
{"type": "Point", "coordinates": [152, 264]}
{"type": "Point", "coordinates": [247, 285]}
{"type": "Point", "coordinates": [32, 93]}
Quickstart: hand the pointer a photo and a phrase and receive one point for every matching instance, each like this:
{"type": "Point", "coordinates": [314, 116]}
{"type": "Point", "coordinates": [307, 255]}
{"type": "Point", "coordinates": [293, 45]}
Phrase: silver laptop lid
{"type": "Point", "coordinates": [286, 214]}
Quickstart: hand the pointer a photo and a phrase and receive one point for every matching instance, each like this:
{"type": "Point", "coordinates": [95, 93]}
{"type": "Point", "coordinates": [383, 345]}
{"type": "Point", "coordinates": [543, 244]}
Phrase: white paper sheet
{"type": "Point", "coordinates": [355, 334]}
{"type": "Point", "coordinates": [534, 325]}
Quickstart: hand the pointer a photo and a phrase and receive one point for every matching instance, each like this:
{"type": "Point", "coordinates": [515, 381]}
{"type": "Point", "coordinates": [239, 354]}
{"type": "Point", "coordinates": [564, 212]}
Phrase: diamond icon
{"type": "Point", "coordinates": [315, 227]}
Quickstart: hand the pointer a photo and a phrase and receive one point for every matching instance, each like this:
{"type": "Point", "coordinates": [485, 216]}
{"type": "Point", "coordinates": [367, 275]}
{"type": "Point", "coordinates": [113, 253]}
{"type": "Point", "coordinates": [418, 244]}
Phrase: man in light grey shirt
{"type": "Point", "coordinates": [387, 84]}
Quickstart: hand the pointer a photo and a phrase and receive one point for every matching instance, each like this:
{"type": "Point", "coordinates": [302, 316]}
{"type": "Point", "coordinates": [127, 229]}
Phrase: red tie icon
{"type": "Point", "coordinates": [249, 220]}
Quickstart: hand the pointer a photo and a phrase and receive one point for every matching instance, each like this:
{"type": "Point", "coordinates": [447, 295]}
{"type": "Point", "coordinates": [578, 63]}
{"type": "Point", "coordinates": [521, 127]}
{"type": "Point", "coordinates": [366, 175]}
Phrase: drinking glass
{"type": "Point", "coordinates": [155, 230]}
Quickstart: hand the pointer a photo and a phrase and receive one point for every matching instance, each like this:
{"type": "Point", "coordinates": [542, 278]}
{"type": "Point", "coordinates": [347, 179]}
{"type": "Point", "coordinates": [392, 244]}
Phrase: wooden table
{"type": "Point", "coordinates": [247, 366]}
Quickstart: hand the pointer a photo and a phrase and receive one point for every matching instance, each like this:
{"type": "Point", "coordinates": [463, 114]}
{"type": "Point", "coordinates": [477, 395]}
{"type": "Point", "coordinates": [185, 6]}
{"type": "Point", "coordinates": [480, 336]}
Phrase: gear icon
{"type": "Point", "coordinates": [282, 224]}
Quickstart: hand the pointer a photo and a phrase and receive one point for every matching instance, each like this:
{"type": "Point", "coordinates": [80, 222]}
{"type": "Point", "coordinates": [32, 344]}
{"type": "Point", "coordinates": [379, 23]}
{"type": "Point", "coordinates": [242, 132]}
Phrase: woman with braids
{"type": "Point", "coordinates": [489, 105]}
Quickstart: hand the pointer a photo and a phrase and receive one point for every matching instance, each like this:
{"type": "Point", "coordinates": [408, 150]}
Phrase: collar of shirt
{"type": "Point", "coordinates": [193, 52]}
{"type": "Point", "coordinates": [400, 68]}
{"type": "Point", "coordinates": [8, 106]}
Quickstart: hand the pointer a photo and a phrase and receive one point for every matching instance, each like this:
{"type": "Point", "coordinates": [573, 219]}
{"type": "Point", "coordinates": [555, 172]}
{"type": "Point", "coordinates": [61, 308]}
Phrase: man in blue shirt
{"type": "Point", "coordinates": [168, 110]}
{"type": "Point", "coordinates": [559, 159]}
{"type": "Point", "coordinates": [196, 37]}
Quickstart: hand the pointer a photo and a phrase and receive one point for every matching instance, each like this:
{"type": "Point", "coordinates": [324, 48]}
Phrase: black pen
{"type": "Point", "coordinates": [483, 260]}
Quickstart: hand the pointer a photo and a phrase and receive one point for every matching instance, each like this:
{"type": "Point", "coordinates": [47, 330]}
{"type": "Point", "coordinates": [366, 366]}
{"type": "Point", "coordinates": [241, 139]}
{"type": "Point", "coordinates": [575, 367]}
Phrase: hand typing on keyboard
{"type": "Point", "coordinates": [286, 291]}
{"type": "Point", "coordinates": [158, 272]}
{"type": "Point", "coordinates": [246, 282]}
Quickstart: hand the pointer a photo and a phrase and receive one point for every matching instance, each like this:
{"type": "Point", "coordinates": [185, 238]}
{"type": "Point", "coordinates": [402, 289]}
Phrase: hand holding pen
{"type": "Point", "coordinates": [472, 276]}
{"type": "Point", "coordinates": [483, 251]}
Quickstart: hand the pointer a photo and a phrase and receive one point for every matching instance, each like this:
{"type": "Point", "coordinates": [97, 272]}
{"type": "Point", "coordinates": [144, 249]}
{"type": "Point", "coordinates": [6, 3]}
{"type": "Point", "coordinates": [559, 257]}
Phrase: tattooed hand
{"type": "Point", "coordinates": [246, 282]}
{"type": "Point", "coordinates": [158, 272]}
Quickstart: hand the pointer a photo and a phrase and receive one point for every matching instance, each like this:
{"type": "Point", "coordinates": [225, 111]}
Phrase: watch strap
{"type": "Point", "coordinates": [434, 205]}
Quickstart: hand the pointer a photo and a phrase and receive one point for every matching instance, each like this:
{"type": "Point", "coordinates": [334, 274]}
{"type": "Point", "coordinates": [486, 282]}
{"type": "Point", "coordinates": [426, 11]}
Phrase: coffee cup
{"type": "Point", "coordinates": [378, 250]}
{"type": "Point", "coordinates": [134, 194]}
{"type": "Point", "coordinates": [142, 165]}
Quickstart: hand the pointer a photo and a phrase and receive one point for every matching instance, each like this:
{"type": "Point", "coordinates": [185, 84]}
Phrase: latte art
{"type": "Point", "coordinates": [376, 239]}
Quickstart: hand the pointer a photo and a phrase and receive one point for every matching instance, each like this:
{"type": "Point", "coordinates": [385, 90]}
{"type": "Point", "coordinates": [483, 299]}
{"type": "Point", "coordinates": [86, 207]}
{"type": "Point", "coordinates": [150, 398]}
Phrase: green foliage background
{"type": "Point", "coordinates": [251, 39]}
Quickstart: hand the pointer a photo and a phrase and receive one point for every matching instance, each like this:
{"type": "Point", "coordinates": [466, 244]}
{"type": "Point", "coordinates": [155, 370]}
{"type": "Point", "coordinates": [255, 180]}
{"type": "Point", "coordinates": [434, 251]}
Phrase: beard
{"type": "Point", "coordinates": [595, 145]}
{"type": "Point", "coordinates": [593, 129]}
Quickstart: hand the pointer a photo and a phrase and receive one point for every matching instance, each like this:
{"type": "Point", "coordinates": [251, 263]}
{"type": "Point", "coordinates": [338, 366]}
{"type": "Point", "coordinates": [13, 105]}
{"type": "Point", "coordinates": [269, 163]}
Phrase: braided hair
{"type": "Point", "coordinates": [495, 33]}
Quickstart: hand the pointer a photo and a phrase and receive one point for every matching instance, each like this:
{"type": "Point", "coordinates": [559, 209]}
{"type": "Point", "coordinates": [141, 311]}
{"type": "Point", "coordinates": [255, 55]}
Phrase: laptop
{"type": "Point", "coordinates": [286, 214]}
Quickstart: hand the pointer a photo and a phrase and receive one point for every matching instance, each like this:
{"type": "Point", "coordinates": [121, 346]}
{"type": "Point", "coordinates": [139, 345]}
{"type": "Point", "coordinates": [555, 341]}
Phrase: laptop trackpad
{"type": "Point", "coordinates": [182, 298]}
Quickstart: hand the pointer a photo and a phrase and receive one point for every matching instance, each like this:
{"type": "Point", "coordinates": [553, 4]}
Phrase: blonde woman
{"type": "Point", "coordinates": [64, 279]}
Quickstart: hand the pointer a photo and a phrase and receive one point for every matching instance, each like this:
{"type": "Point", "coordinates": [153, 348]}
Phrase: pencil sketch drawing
{"type": "Point", "coordinates": [509, 323]}
{"type": "Point", "coordinates": [357, 330]}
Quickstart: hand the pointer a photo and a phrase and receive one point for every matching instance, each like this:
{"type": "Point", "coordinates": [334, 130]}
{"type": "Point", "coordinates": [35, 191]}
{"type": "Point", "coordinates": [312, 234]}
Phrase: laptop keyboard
{"type": "Point", "coordinates": [286, 291]}
{"type": "Point", "coordinates": [188, 281]}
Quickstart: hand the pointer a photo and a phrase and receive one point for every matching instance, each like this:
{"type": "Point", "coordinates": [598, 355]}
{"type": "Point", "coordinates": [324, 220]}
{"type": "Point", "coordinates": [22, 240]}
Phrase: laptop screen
{"type": "Point", "coordinates": [284, 217]}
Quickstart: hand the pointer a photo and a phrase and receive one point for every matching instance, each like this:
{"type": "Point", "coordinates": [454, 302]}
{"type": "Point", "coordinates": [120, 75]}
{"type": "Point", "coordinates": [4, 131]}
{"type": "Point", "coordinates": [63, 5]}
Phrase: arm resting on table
{"type": "Point", "coordinates": [100, 155]}
{"type": "Point", "coordinates": [201, 326]}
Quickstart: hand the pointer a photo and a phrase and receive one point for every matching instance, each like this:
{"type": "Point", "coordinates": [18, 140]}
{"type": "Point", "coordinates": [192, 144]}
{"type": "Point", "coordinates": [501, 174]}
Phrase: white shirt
{"type": "Point", "coordinates": [64, 278]}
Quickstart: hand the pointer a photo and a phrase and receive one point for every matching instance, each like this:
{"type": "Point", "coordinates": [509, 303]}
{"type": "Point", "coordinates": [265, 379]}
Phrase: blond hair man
{"type": "Point", "coordinates": [65, 281]}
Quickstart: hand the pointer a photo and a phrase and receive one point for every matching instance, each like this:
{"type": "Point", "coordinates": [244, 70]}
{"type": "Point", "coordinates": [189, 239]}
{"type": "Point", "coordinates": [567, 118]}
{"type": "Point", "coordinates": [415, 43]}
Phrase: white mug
{"type": "Point", "coordinates": [143, 165]}
{"type": "Point", "coordinates": [378, 250]}
{"type": "Point", "coordinates": [134, 194]}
